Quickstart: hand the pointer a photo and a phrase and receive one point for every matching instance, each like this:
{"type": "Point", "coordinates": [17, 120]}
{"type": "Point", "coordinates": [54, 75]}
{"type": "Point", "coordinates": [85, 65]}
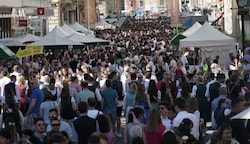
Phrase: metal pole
{"type": "Point", "coordinates": [88, 12]}
{"type": "Point", "coordinates": [243, 32]}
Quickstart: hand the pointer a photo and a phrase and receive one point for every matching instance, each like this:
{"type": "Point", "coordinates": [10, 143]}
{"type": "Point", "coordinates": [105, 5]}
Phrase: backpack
{"type": "Point", "coordinates": [201, 90]}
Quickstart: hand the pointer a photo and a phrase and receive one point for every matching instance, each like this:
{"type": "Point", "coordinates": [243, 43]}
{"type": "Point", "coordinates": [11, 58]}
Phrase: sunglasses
{"type": "Point", "coordinates": [55, 124]}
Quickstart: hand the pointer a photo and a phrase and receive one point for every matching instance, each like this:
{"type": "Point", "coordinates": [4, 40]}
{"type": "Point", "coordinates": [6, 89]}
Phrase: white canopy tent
{"type": "Point", "coordinates": [57, 31]}
{"type": "Point", "coordinates": [55, 41]}
{"type": "Point", "coordinates": [80, 28]}
{"type": "Point", "coordinates": [87, 39]}
{"type": "Point", "coordinates": [68, 30]}
{"type": "Point", "coordinates": [211, 43]}
{"type": "Point", "coordinates": [102, 24]}
{"type": "Point", "coordinates": [192, 29]}
{"type": "Point", "coordinates": [28, 38]}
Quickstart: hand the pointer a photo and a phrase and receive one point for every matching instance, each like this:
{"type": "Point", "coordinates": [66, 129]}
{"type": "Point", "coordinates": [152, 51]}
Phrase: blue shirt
{"type": "Point", "coordinates": [109, 96]}
{"type": "Point", "coordinates": [216, 101]}
{"type": "Point", "coordinates": [38, 95]}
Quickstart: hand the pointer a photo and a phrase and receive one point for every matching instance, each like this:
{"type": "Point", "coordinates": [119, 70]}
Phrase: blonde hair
{"type": "Point", "coordinates": [20, 80]}
{"type": "Point", "coordinates": [132, 88]}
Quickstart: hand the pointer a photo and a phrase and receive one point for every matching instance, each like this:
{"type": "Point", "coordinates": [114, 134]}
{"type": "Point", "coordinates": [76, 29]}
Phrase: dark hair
{"type": "Point", "coordinates": [104, 123]}
{"type": "Point", "coordinates": [108, 83]}
{"type": "Point", "coordinates": [38, 119]}
{"type": "Point", "coordinates": [236, 101]}
{"type": "Point", "coordinates": [83, 107]}
{"type": "Point", "coordinates": [84, 84]}
{"type": "Point", "coordinates": [53, 109]}
{"type": "Point", "coordinates": [165, 104]}
{"type": "Point", "coordinates": [56, 138]}
{"type": "Point", "coordinates": [220, 102]}
{"type": "Point", "coordinates": [180, 103]}
{"type": "Point", "coordinates": [137, 112]}
{"type": "Point", "coordinates": [137, 140]}
{"type": "Point", "coordinates": [4, 133]}
{"type": "Point", "coordinates": [152, 89]}
{"type": "Point", "coordinates": [91, 102]}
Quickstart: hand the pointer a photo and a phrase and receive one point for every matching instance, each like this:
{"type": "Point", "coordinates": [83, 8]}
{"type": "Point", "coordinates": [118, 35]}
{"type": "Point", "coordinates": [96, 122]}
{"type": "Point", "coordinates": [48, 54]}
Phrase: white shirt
{"type": "Point", "coordinates": [166, 122]}
{"type": "Point", "coordinates": [207, 94]}
{"type": "Point", "coordinates": [93, 113]}
{"type": "Point", "coordinates": [184, 114]}
{"type": "Point", "coordinates": [3, 81]}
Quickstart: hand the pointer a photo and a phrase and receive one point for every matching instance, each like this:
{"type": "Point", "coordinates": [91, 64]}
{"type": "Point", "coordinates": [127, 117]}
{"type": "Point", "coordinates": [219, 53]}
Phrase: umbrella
{"type": "Point", "coordinates": [243, 115]}
{"type": "Point", "coordinates": [5, 52]}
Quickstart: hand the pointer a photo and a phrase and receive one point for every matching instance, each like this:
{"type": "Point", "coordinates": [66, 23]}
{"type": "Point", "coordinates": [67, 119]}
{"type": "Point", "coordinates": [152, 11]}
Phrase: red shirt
{"type": "Point", "coordinates": [156, 137]}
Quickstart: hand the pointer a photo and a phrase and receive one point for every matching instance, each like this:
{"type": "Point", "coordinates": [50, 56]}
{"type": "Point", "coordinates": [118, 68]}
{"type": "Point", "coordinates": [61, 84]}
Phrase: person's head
{"type": "Point", "coordinates": [223, 91]}
{"type": "Point", "coordinates": [179, 105]}
{"type": "Point", "coordinates": [104, 123]}
{"type": "Point", "coordinates": [154, 120]}
{"type": "Point", "coordinates": [55, 124]}
{"type": "Point", "coordinates": [234, 78]}
{"type": "Point", "coordinates": [27, 134]}
{"type": "Point", "coordinates": [137, 113]}
{"type": "Point", "coordinates": [5, 137]}
{"type": "Point", "coordinates": [47, 95]}
{"type": "Point", "coordinates": [222, 103]}
{"type": "Point", "coordinates": [171, 112]}
{"type": "Point", "coordinates": [84, 84]}
{"type": "Point", "coordinates": [13, 78]}
{"type": "Point", "coordinates": [137, 140]}
{"type": "Point", "coordinates": [163, 108]}
{"type": "Point", "coordinates": [53, 113]}
{"type": "Point", "coordinates": [108, 83]}
{"type": "Point", "coordinates": [33, 83]}
{"type": "Point", "coordinates": [91, 102]}
{"type": "Point", "coordinates": [39, 125]}
{"type": "Point", "coordinates": [10, 126]}
{"type": "Point", "coordinates": [98, 138]}
{"type": "Point", "coordinates": [224, 133]}
{"type": "Point", "coordinates": [28, 123]}
{"type": "Point", "coordinates": [193, 105]}
{"type": "Point", "coordinates": [83, 107]}
{"type": "Point", "coordinates": [132, 88]}
{"type": "Point", "coordinates": [238, 105]}
{"type": "Point", "coordinates": [186, 126]}
{"type": "Point", "coordinates": [57, 138]}
{"type": "Point", "coordinates": [221, 77]}
{"type": "Point", "coordinates": [16, 68]}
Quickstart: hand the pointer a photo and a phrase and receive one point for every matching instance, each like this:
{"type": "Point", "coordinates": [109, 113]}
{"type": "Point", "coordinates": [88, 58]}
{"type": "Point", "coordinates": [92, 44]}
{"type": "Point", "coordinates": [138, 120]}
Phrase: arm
{"type": "Point", "coordinates": [32, 105]}
{"type": "Point", "coordinates": [149, 103]}
{"type": "Point", "coordinates": [98, 95]}
{"type": "Point", "coordinates": [170, 95]}
{"type": "Point", "coordinates": [41, 111]}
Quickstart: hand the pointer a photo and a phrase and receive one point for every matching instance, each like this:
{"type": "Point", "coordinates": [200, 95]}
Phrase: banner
{"type": "Point", "coordinates": [29, 51]}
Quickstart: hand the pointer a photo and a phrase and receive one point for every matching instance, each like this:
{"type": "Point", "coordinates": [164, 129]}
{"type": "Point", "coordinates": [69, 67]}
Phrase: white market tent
{"type": "Point", "coordinates": [68, 30]}
{"type": "Point", "coordinates": [102, 24]}
{"type": "Point", "coordinates": [56, 37]}
{"type": "Point", "coordinates": [211, 43]}
{"type": "Point", "coordinates": [87, 39]}
{"type": "Point", "coordinates": [80, 28]}
{"type": "Point", "coordinates": [28, 38]}
{"type": "Point", "coordinates": [55, 41]}
{"type": "Point", "coordinates": [192, 29]}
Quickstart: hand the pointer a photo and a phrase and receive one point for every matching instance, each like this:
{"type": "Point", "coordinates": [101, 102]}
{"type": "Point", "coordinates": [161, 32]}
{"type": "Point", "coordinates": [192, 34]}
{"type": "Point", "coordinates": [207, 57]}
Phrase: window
{"type": "Point", "coordinates": [161, 2]}
{"type": "Point", "coordinates": [141, 2]}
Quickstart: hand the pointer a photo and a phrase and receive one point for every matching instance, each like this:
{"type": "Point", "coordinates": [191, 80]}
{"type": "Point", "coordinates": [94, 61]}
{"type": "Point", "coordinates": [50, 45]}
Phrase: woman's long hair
{"type": "Point", "coordinates": [152, 89]}
{"type": "Point", "coordinates": [154, 120]}
{"type": "Point", "coordinates": [104, 123]}
{"type": "Point", "coordinates": [10, 126]}
{"type": "Point", "coordinates": [140, 94]}
{"type": "Point", "coordinates": [65, 91]}
{"type": "Point", "coordinates": [217, 136]}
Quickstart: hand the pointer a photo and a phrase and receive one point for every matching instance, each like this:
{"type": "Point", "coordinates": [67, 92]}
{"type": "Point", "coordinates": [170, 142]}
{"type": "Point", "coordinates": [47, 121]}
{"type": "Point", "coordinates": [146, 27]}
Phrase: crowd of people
{"type": "Point", "coordinates": [67, 97]}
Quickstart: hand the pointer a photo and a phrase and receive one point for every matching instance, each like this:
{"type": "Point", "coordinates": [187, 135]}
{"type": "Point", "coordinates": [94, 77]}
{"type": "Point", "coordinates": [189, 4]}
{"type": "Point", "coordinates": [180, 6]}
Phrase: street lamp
{"type": "Point", "coordinates": [242, 11]}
